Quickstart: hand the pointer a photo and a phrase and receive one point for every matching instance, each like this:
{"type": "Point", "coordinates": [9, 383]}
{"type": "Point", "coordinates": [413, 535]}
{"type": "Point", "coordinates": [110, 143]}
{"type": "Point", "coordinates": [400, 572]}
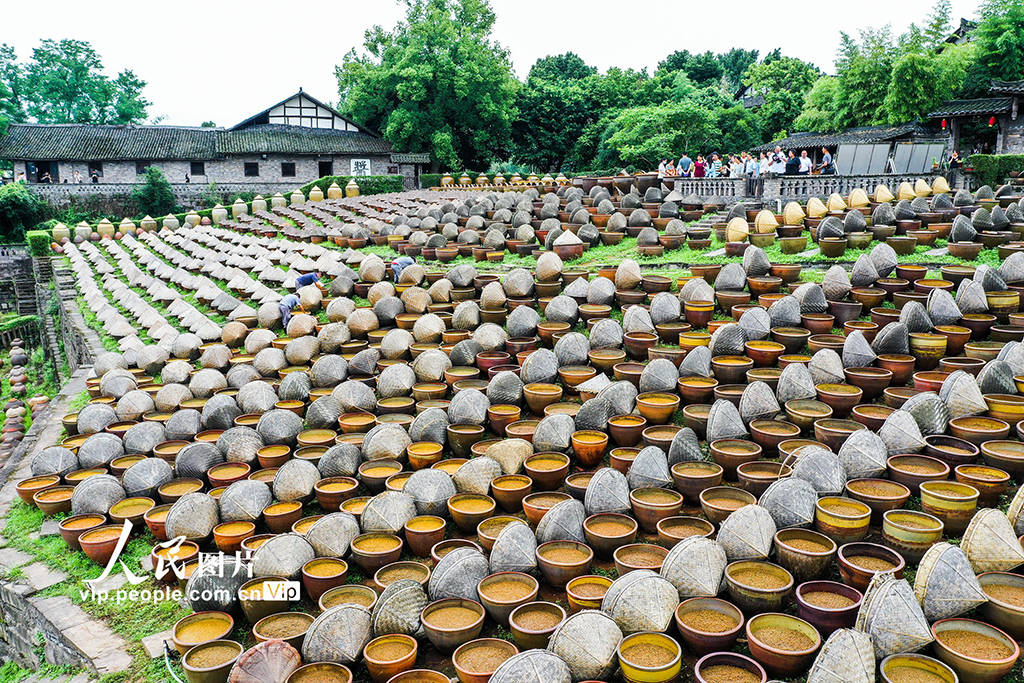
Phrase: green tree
{"type": "Point", "coordinates": [920, 82]}
{"type": "Point", "coordinates": [64, 83]}
{"type": "Point", "coordinates": [739, 129]}
{"type": "Point", "coordinates": [783, 82]}
{"type": "Point", "coordinates": [932, 34]}
{"type": "Point", "coordinates": [435, 83]}
{"type": "Point", "coordinates": [552, 117]}
{"type": "Point", "coordinates": [734, 64]}
{"type": "Point", "coordinates": [913, 88]}
{"type": "Point", "coordinates": [862, 74]}
{"type": "Point", "coordinates": [11, 82]}
{"type": "Point", "coordinates": [568, 66]}
{"type": "Point", "coordinates": [643, 135]}
{"type": "Point", "coordinates": [704, 69]}
{"type": "Point", "coordinates": [20, 210]}
{"type": "Point", "coordinates": [155, 196]}
{"type": "Point", "coordinates": [999, 39]}
{"type": "Point", "coordinates": [676, 61]}
{"type": "Point", "coordinates": [818, 113]}
{"type": "Point", "coordinates": [207, 124]}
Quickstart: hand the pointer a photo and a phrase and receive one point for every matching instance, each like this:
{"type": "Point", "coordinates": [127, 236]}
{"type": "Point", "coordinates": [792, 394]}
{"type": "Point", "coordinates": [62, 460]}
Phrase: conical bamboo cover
{"type": "Point", "coordinates": [940, 186]}
{"type": "Point", "coordinates": [747, 534]}
{"type": "Point", "coordinates": [922, 188]}
{"type": "Point", "coordinates": [891, 616]}
{"type": "Point", "coordinates": [695, 566]}
{"type": "Point", "coordinates": [945, 584]}
{"type": "Point", "coordinates": [821, 469]}
{"type": "Point", "coordinates": [858, 197]}
{"type": "Point", "coordinates": [905, 191]}
{"type": "Point", "coordinates": [846, 657]}
{"type": "Point", "coordinates": [816, 208]}
{"type": "Point", "coordinates": [901, 433]}
{"type": "Point", "coordinates": [990, 543]}
{"type": "Point", "coordinates": [883, 194]}
{"type": "Point", "coordinates": [836, 202]}
{"type": "Point", "coordinates": [765, 221]}
{"type": "Point", "coordinates": [737, 230]}
{"type": "Point", "coordinates": [963, 397]}
{"type": "Point", "coordinates": [1015, 513]}
{"type": "Point", "coordinates": [793, 214]}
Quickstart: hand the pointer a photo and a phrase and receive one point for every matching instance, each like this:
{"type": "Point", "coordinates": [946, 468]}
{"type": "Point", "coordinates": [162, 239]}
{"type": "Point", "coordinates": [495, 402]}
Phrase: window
{"type": "Point", "coordinates": [140, 167]}
{"type": "Point", "coordinates": [197, 168]}
{"type": "Point", "coordinates": [287, 169]}
{"type": "Point", "coordinates": [96, 167]}
{"type": "Point", "coordinates": [325, 168]}
{"type": "Point", "coordinates": [252, 169]}
{"type": "Point", "coordinates": [392, 170]}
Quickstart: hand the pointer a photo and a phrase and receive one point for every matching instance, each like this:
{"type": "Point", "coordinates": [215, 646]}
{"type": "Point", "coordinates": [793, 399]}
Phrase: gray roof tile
{"type": "Point", "coordinates": [125, 143]}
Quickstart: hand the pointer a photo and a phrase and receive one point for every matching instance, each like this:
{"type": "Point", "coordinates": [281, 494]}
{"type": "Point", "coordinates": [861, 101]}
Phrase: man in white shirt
{"type": "Point", "coordinates": [778, 161]}
{"type": "Point", "coordinates": [805, 163]}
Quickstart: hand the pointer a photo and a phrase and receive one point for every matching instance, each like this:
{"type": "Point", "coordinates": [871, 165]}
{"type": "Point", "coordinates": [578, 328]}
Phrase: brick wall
{"type": "Point", "coordinates": [230, 170]}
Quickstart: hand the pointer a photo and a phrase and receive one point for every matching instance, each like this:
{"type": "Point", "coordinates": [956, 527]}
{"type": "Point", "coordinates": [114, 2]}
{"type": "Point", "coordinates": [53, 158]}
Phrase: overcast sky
{"type": "Point", "coordinates": [223, 61]}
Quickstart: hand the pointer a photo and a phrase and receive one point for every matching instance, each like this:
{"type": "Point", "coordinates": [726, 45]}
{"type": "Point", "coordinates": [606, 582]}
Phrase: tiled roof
{"type": "Point", "coordinates": [267, 138]}
{"type": "Point", "coordinates": [410, 158]}
{"type": "Point", "coordinates": [56, 142]}
{"type": "Point", "coordinates": [1007, 87]}
{"type": "Point", "coordinates": [113, 143]}
{"type": "Point", "coordinates": [984, 105]}
{"type": "Point", "coordinates": [862, 135]}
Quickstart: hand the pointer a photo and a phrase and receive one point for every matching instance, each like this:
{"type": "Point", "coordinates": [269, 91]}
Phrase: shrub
{"type": "Point", "coordinates": [431, 179]}
{"type": "Point", "coordinates": [368, 184]}
{"type": "Point", "coordinates": [20, 210]}
{"type": "Point", "coordinates": [992, 169]}
{"type": "Point", "coordinates": [155, 196]}
{"type": "Point", "coordinates": [38, 242]}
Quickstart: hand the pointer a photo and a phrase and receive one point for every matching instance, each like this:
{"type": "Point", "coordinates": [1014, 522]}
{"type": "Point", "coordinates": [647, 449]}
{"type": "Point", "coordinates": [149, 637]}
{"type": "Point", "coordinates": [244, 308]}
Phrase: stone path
{"type": "Point", "coordinates": [68, 634]}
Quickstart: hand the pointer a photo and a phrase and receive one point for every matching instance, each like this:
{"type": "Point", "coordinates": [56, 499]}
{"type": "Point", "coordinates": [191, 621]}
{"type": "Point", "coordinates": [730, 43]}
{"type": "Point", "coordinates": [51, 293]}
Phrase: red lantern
{"type": "Point", "coordinates": [943, 124]}
{"type": "Point", "coordinates": [991, 121]}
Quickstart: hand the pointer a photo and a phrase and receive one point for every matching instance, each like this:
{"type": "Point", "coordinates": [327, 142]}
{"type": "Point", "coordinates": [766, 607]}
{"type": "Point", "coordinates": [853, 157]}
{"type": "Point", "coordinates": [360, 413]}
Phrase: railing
{"type": "Point", "coordinates": [797, 187]}
{"type": "Point", "coordinates": [706, 187]}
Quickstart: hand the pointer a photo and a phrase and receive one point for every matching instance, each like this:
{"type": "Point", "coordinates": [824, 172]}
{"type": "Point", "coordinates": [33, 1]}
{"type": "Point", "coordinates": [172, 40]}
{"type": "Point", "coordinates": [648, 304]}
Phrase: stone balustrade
{"type": "Point", "coordinates": [797, 187]}
{"type": "Point", "coordinates": [730, 188]}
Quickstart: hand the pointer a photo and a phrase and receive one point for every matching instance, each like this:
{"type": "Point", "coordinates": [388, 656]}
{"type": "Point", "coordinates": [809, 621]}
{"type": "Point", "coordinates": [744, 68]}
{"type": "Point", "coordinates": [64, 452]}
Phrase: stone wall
{"type": "Point", "coordinates": [221, 171]}
{"type": "Point", "coordinates": [1013, 138]}
{"type": "Point", "coordinates": [116, 196]}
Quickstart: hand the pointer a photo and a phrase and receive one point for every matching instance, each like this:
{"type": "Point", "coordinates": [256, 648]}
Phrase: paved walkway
{"type": "Point", "coordinates": [71, 634]}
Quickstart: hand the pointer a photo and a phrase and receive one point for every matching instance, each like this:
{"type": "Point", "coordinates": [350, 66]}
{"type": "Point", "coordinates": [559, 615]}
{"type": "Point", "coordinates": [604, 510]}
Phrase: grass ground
{"type": "Point", "coordinates": [133, 623]}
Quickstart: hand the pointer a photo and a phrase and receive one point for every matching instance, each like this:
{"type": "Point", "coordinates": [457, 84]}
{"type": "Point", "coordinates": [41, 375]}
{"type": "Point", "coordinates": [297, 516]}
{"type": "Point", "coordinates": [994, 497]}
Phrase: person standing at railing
{"type": "Point", "coordinates": [715, 167]}
{"type": "Point", "coordinates": [827, 167]}
{"type": "Point", "coordinates": [792, 164]}
{"type": "Point", "coordinates": [685, 167]}
{"type": "Point", "coordinates": [699, 167]}
{"type": "Point", "coordinates": [805, 163]}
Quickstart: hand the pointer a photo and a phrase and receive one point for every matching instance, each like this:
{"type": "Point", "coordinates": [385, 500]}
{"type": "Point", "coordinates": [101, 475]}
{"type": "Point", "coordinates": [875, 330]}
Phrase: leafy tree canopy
{"type": "Point", "coordinates": [63, 82]}
{"type": "Point", "coordinates": [568, 66]}
{"type": "Point", "coordinates": [708, 68]}
{"type": "Point", "coordinates": [999, 39]}
{"type": "Point", "coordinates": [435, 83]}
{"type": "Point", "coordinates": [782, 82]}
{"type": "Point", "coordinates": [643, 135]}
